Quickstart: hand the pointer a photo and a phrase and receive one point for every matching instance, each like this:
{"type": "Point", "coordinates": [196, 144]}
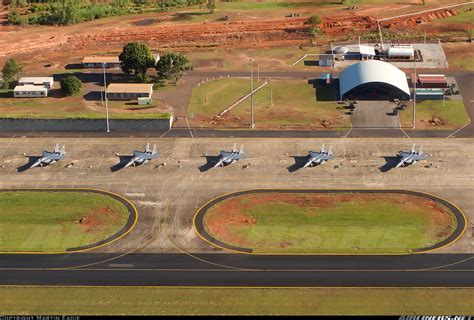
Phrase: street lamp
{"type": "Point", "coordinates": [106, 100]}
{"type": "Point", "coordinates": [252, 125]}
{"type": "Point", "coordinates": [414, 99]}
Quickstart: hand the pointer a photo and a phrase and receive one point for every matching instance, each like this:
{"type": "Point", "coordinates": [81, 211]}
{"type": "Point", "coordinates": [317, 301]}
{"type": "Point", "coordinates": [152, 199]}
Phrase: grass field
{"type": "Point", "coordinates": [74, 107]}
{"type": "Point", "coordinates": [453, 115]}
{"type": "Point", "coordinates": [329, 223]}
{"type": "Point", "coordinates": [280, 104]}
{"type": "Point", "coordinates": [238, 301]}
{"type": "Point", "coordinates": [50, 221]}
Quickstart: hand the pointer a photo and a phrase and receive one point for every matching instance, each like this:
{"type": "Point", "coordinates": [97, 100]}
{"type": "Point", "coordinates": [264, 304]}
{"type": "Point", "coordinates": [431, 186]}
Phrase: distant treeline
{"type": "Point", "coordinates": [63, 12]}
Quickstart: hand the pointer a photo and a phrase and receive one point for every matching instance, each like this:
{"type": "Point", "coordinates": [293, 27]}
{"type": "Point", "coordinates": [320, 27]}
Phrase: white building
{"type": "Point", "coordinates": [46, 82]}
{"type": "Point", "coordinates": [366, 52]}
{"type": "Point", "coordinates": [30, 91]}
{"type": "Point", "coordinates": [129, 91]}
{"type": "Point", "coordinates": [373, 80]}
{"type": "Point", "coordinates": [97, 61]}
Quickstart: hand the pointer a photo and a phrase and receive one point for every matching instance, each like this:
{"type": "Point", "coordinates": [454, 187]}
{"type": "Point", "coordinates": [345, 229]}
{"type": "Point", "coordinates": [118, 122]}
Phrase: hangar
{"type": "Point", "coordinates": [373, 80]}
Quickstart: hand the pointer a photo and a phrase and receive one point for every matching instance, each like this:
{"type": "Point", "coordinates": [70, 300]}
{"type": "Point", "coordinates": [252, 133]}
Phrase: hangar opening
{"type": "Point", "coordinates": [373, 80]}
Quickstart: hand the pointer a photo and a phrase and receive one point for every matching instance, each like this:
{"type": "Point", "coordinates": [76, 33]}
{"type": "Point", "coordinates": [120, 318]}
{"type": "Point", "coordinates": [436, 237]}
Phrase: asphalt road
{"type": "Point", "coordinates": [422, 270]}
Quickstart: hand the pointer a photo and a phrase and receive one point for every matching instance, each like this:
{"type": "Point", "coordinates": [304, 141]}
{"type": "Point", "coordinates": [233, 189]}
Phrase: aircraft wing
{"type": "Point", "coordinates": [314, 154]}
{"type": "Point", "coordinates": [405, 154]}
{"type": "Point", "coordinates": [137, 153]}
{"type": "Point", "coordinates": [224, 154]}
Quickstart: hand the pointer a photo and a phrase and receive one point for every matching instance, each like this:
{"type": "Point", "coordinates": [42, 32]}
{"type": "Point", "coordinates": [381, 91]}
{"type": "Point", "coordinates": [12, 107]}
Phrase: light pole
{"type": "Point", "coordinates": [106, 99]}
{"type": "Point", "coordinates": [414, 99]}
{"type": "Point", "coordinates": [252, 125]}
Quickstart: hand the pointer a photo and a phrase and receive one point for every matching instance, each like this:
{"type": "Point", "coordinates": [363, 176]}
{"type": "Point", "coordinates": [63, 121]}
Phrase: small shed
{"type": "Point", "coordinates": [432, 81]}
{"type": "Point", "coordinates": [429, 93]}
{"type": "Point", "coordinates": [97, 61]}
{"type": "Point", "coordinates": [325, 60]}
{"type": "Point", "coordinates": [129, 91]}
{"type": "Point", "coordinates": [366, 52]}
{"type": "Point", "coordinates": [30, 91]}
{"type": "Point", "coordinates": [46, 82]}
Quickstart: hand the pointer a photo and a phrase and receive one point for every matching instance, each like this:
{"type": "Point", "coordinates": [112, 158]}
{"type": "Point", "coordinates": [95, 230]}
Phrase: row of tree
{"type": "Point", "coordinates": [136, 58]}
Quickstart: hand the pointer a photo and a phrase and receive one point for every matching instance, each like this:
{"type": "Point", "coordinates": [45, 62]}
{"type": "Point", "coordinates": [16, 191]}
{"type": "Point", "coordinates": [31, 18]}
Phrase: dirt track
{"type": "Point", "coordinates": [113, 34]}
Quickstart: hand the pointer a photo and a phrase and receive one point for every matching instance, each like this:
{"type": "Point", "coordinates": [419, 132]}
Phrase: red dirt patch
{"type": "Point", "coordinates": [100, 219]}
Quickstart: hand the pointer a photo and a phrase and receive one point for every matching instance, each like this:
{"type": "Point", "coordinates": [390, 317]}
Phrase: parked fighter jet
{"type": "Point", "coordinates": [140, 157]}
{"type": "Point", "coordinates": [315, 158]}
{"type": "Point", "coordinates": [410, 157]}
{"type": "Point", "coordinates": [226, 157]}
{"type": "Point", "coordinates": [59, 153]}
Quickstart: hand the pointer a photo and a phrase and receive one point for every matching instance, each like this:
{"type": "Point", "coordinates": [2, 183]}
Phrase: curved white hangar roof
{"type": "Point", "coordinates": [373, 72]}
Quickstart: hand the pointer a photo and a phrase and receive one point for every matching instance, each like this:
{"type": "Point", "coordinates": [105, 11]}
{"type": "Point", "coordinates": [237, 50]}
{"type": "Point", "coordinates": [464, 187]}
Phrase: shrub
{"type": "Point", "coordinates": [71, 85]}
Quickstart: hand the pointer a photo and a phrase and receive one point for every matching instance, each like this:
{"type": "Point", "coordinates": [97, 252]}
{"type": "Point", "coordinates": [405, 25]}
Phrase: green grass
{"type": "Point", "coordinates": [453, 114]}
{"type": "Point", "coordinates": [463, 17]}
{"type": "Point", "coordinates": [295, 103]}
{"type": "Point", "coordinates": [49, 221]}
{"type": "Point", "coordinates": [379, 224]}
{"type": "Point", "coordinates": [237, 301]}
{"type": "Point", "coordinates": [89, 116]}
{"type": "Point", "coordinates": [267, 5]}
{"type": "Point", "coordinates": [462, 63]}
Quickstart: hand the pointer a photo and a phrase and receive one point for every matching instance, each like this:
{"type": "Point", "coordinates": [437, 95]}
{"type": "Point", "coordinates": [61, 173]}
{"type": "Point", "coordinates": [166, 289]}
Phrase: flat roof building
{"type": "Point", "coordinates": [129, 91]}
{"type": "Point", "coordinates": [96, 61]}
{"type": "Point", "coordinates": [30, 91]}
{"type": "Point", "coordinates": [373, 80]}
{"type": "Point", "coordinates": [366, 52]}
{"type": "Point", "coordinates": [46, 82]}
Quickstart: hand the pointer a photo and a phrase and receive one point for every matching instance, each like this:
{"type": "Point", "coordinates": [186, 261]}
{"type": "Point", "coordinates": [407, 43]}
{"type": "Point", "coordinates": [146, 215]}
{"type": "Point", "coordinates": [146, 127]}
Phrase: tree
{"type": "Point", "coordinates": [10, 72]}
{"type": "Point", "coordinates": [211, 5]}
{"type": "Point", "coordinates": [469, 33]}
{"type": "Point", "coordinates": [71, 85]}
{"type": "Point", "coordinates": [66, 11]}
{"type": "Point", "coordinates": [171, 66]}
{"type": "Point", "coordinates": [313, 21]}
{"type": "Point", "coordinates": [135, 59]}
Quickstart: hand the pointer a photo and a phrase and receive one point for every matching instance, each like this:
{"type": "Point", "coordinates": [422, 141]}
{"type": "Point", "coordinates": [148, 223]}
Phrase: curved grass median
{"type": "Point", "coordinates": [328, 222]}
{"type": "Point", "coordinates": [46, 221]}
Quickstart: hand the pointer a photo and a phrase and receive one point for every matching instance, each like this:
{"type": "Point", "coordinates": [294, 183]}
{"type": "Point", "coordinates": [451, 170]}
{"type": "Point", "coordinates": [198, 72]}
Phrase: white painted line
{"type": "Point", "coordinates": [345, 136]}
{"type": "Point", "coordinates": [405, 133]}
{"type": "Point", "coordinates": [452, 134]}
{"type": "Point", "coordinates": [190, 131]}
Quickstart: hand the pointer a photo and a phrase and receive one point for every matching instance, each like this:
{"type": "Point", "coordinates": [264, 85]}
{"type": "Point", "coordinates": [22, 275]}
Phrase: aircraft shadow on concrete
{"type": "Point", "coordinates": [210, 162]}
{"type": "Point", "coordinates": [300, 161]}
{"type": "Point", "coordinates": [26, 166]}
{"type": "Point", "coordinates": [123, 160]}
{"type": "Point", "coordinates": [390, 163]}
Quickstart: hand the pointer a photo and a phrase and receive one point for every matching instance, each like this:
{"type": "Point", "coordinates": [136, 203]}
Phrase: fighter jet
{"type": "Point", "coordinates": [226, 157]}
{"type": "Point", "coordinates": [411, 157]}
{"type": "Point", "coordinates": [140, 157]}
{"type": "Point", "coordinates": [59, 153]}
{"type": "Point", "coordinates": [315, 158]}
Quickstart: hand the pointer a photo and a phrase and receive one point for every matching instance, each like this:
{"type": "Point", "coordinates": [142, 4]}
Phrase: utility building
{"type": "Point", "coordinates": [373, 80]}
{"type": "Point", "coordinates": [46, 82]}
{"type": "Point", "coordinates": [129, 91]}
{"type": "Point", "coordinates": [97, 61]}
{"type": "Point", "coordinates": [29, 91]}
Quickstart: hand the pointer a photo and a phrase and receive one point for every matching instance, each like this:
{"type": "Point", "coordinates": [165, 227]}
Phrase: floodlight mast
{"type": "Point", "coordinates": [252, 125]}
{"type": "Point", "coordinates": [414, 99]}
{"type": "Point", "coordinates": [106, 100]}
